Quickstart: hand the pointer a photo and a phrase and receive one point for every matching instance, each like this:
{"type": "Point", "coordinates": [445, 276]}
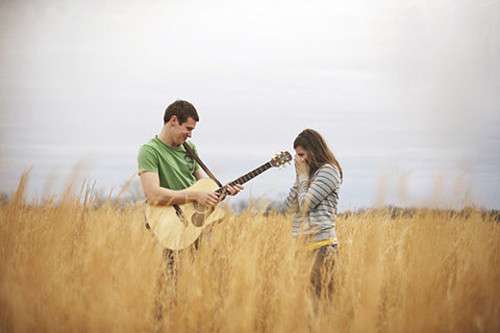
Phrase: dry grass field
{"type": "Point", "coordinates": [75, 266]}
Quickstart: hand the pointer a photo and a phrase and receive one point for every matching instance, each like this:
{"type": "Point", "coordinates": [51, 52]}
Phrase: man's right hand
{"type": "Point", "coordinates": [207, 198]}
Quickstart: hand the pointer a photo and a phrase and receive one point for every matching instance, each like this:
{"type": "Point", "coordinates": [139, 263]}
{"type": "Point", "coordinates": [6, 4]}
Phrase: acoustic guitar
{"type": "Point", "coordinates": [178, 226]}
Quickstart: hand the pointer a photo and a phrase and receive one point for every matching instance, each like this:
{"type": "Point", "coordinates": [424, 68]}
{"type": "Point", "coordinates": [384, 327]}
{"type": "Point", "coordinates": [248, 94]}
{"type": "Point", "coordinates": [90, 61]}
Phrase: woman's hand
{"type": "Point", "coordinates": [301, 166]}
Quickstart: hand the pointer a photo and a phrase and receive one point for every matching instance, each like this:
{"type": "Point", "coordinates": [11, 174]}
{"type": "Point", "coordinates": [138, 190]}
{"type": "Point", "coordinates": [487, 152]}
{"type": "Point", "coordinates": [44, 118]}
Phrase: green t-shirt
{"type": "Point", "coordinates": [174, 166]}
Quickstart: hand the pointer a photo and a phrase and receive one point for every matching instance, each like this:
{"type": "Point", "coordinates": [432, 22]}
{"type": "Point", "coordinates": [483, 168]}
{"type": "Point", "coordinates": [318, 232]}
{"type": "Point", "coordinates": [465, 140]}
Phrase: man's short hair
{"type": "Point", "coordinates": [182, 110]}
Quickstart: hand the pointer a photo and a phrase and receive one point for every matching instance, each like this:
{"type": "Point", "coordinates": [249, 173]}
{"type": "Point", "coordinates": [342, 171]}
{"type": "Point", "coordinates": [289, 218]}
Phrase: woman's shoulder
{"type": "Point", "coordinates": [329, 171]}
{"type": "Point", "coordinates": [328, 168]}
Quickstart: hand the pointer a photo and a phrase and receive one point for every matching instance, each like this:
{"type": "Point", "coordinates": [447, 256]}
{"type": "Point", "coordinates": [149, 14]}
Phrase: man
{"type": "Point", "coordinates": [165, 167]}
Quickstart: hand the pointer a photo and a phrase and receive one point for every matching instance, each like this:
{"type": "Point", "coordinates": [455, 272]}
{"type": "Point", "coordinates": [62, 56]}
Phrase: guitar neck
{"type": "Point", "coordinates": [245, 178]}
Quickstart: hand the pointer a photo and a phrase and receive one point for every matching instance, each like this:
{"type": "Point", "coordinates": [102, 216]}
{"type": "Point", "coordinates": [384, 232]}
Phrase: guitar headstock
{"type": "Point", "coordinates": [281, 159]}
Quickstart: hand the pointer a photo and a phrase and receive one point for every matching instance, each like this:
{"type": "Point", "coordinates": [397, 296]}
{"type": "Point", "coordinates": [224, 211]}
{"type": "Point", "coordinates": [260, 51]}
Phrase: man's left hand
{"type": "Point", "coordinates": [233, 190]}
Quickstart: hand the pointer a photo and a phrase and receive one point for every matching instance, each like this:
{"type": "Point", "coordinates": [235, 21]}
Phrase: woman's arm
{"type": "Point", "coordinates": [325, 181]}
{"type": "Point", "coordinates": [290, 203]}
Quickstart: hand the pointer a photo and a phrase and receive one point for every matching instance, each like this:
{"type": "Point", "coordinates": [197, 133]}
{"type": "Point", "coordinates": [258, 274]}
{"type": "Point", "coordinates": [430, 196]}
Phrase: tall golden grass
{"type": "Point", "coordinates": [78, 266]}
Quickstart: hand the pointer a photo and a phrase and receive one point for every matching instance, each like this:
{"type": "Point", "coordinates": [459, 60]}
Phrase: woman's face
{"type": "Point", "coordinates": [301, 152]}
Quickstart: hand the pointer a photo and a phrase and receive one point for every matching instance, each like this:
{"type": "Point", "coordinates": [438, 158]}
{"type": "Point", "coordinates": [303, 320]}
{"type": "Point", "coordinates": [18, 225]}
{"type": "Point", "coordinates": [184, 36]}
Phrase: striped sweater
{"type": "Point", "coordinates": [315, 204]}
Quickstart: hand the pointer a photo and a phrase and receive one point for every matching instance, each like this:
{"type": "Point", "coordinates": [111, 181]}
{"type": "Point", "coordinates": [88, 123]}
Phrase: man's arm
{"type": "Point", "coordinates": [198, 174]}
{"type": "Point", "coordinates": [158, 195]}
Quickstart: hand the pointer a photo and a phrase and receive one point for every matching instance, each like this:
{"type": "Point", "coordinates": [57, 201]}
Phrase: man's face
{"type": "Point", "coordinates": [183, 131]}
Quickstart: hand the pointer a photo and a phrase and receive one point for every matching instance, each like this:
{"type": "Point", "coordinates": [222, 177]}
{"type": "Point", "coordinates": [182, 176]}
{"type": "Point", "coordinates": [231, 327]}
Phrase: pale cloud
{"type": "Point", "coordinates": [408, 85]}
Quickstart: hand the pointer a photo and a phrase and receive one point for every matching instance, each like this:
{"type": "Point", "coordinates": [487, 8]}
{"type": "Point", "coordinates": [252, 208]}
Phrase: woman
{"type": "Point", "coordinates": [313, 198]}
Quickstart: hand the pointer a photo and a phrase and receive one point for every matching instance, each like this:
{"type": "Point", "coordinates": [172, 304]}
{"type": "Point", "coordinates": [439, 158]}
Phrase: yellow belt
{"type": "Point", "coordinates": [317, 245]}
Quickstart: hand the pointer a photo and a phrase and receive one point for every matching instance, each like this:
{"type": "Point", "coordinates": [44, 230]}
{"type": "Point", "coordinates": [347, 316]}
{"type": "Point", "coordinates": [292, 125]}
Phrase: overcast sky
{"type": "Point", "coordinates": [405, 92]}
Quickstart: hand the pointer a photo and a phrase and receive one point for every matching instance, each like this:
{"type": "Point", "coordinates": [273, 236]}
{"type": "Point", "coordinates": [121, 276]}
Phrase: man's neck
{"type": "Point", "coordinates": [166, 139]}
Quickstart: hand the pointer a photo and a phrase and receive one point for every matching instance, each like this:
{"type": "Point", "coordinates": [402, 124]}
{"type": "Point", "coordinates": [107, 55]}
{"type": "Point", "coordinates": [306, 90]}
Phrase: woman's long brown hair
{"type": "Point", "coordinates": [317, 151]}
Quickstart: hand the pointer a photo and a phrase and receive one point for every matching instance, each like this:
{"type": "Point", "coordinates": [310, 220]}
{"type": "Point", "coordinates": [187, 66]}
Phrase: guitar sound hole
{"type": "Point", "coordinates": [202, 212]}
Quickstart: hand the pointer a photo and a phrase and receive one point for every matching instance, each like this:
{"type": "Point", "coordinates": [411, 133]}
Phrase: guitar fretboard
{"type": "Point", "coordinates": [245, 178]}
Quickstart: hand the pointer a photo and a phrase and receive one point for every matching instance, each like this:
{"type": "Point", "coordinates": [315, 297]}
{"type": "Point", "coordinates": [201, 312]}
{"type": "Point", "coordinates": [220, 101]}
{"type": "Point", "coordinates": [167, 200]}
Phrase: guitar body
{"type": "Point", "coordinates": [177, 227]}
